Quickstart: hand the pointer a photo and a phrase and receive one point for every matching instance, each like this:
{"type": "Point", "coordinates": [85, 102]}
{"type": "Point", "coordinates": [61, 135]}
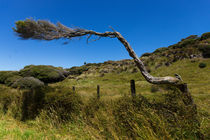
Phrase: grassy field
{"type": "Point", "coordinates": [106, 118]}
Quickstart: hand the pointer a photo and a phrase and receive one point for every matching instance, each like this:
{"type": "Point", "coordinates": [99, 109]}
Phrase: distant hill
{"type": "Point", "coordinates": [191, 47]}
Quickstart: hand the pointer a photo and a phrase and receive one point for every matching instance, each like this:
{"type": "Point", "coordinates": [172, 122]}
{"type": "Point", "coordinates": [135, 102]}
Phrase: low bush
{"type": "Point", "coordinates": [146, 54]}
{"type": "Point", "coordinates": [202, 65]}
{"type": "Point", "coordinates": [159, 50]}
{"type": "Point", "coordinates": [6, 98]}
{"type": "Point", "coordinates": [78, 70]}
{"type": "Point", "coordinates": [27, 83]}
{"type": "Point", "coordinates": [47, 74]}
{"type": "Point", "coordinates": [191, 37]}
{"type": "Point", "coordinates": [11, 80]}
{"type": "Point", "coordinates": [21, 104]}
{"type": "Point", "coordinates": [31, 102]}
{"type": "Point", "coordinates": [92, 106]}
{"type": "Point", "coordinates": [187, 42]}
{"type": "Point", "coordinates": [168, 117]}
{"type": "Point", "coordinates": [173, 46]}
{"type": "Point", "coordinates": [205, 36]}
{"type": "Point", "coordinates": [61, 104]}
{"type": "Point", "coordinates": [8, 77]}
{"type": "Point", "coordinates": [205, 49]}
{"type": "Point", "coordinates": [134, 118]}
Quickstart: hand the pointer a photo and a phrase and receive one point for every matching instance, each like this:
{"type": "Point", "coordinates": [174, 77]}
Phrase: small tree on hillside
{"type": "Point", "coordinates": [44, 30]}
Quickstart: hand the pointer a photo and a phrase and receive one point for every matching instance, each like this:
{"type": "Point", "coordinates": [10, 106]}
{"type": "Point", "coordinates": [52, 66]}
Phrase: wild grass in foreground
{"type": "Point", "coordinates": [65, 115]}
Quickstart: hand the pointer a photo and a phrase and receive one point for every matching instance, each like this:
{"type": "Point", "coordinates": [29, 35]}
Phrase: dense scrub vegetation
{"type": "Point", "coordinates": [33, 76]}
{"type": "Point", "coordinates": [126, 117]}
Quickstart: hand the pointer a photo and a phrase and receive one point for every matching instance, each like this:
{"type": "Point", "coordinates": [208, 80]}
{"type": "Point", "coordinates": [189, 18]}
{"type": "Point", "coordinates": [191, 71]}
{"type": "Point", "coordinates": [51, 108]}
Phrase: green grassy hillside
{"type": "Point", "coordinates": [97, 119]}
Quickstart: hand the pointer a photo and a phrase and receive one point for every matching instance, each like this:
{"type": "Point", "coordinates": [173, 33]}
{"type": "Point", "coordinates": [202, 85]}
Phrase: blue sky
{"type": "Point", "coordinates": [146, 24]}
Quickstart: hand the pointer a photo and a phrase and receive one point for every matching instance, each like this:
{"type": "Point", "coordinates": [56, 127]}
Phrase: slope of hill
{"type": "Point", "coordinates": [191, 47]}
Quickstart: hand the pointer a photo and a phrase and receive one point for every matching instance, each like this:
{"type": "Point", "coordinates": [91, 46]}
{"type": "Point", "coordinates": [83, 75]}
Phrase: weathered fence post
{"type": "Point", "coordinates": [73, 89]}
{"type": "Point", "coordinates": [98, 91]}
{"type": "Point", "coordinates": [133, 89]}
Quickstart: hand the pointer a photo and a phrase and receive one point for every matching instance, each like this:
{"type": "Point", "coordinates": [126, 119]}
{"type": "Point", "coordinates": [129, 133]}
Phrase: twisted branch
{"type": "Point", "coordinates": [44, 30]}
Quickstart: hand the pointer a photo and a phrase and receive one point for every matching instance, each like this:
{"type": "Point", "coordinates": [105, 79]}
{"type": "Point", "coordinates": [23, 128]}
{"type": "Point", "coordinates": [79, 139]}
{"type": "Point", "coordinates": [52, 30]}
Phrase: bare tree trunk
{"type": "Point", "coordinates": [140, 65]}
{"type": "Point", "coordinates": [154, 80]}
{"type": "Point", "coordinates": [175, 81]}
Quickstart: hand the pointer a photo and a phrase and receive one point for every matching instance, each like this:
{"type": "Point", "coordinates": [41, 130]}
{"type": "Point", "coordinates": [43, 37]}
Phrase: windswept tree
{"type": "Point", "coordinates": [45, 30]}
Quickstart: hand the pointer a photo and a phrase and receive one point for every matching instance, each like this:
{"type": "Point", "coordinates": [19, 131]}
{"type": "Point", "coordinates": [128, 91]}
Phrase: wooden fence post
{"type": "Point", "coordinates": [73, 88]}
{"type": "Point", "coordinates": [98, 91]}
{"type": "Point", "coordinates": [133, 89]}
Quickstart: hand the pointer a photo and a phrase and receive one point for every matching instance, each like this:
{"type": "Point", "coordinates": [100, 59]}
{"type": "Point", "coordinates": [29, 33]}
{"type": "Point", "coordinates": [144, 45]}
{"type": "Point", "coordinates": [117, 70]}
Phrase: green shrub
{"type": "Point", "coordinates": [78, 70]}
{"type": "Point", "coordinates": [5, 99]}
{"type": "Point", "coordinates": [47, 74]}
{"type": "Point", "coordinates": [187, 42]}
{"type": "Point", "coordinates": [20, 104]}
{"type": "Point", "coordinates": [205, 36]}
{"type": "Point", "coordinates": [28, 83]}
{"type": "Point", "coordinates": [92, 106]}
{"type": "Point", "coordinates": [11, 80]}
{"type": "Point", "coordinates": [173, 46]}
{"type": "Point", "coordinates": [4, 75]}
{"type": "Point", "coordinates": [202, 65]}
{"type": "Point", "coordinates": [146, 54]}
{"type": "Point", "coordinates": [205, 49]}
{"type": "Point", "coordinates": [161, 49]}
{"type": "Point", "coordinates": [30, 103]}
{"type": "Point", "coordinates": [137, 119]}
{"type": "Point", "coordinates": [62, 104]}
{"type": "Point", "coordinates": [170, 116]}
{"type": "Point", "coordinates": [92, 64]}
{"type": "Point", "coordinates": [192, 37]}
{"type": "Point", "coordinates": [59, 103]}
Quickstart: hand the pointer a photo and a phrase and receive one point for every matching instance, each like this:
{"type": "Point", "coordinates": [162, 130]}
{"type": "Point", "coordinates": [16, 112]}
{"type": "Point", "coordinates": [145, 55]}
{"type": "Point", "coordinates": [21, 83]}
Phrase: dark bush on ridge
{"type": "Point", "coordinates": [77, 70]}
{"type": "Point", "coordinates": [160, 50]}
{"type": "Point", "coordinates": [146, 54]}
{"type": "Point", "coordinates": [205, 36]}
{"type": "Point", "coordinates": [187, 42]}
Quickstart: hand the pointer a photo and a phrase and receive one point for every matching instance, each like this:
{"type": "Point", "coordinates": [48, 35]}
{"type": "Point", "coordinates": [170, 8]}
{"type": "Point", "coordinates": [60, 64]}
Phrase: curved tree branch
{"type": "Point", "coordinates": [44, 30]}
